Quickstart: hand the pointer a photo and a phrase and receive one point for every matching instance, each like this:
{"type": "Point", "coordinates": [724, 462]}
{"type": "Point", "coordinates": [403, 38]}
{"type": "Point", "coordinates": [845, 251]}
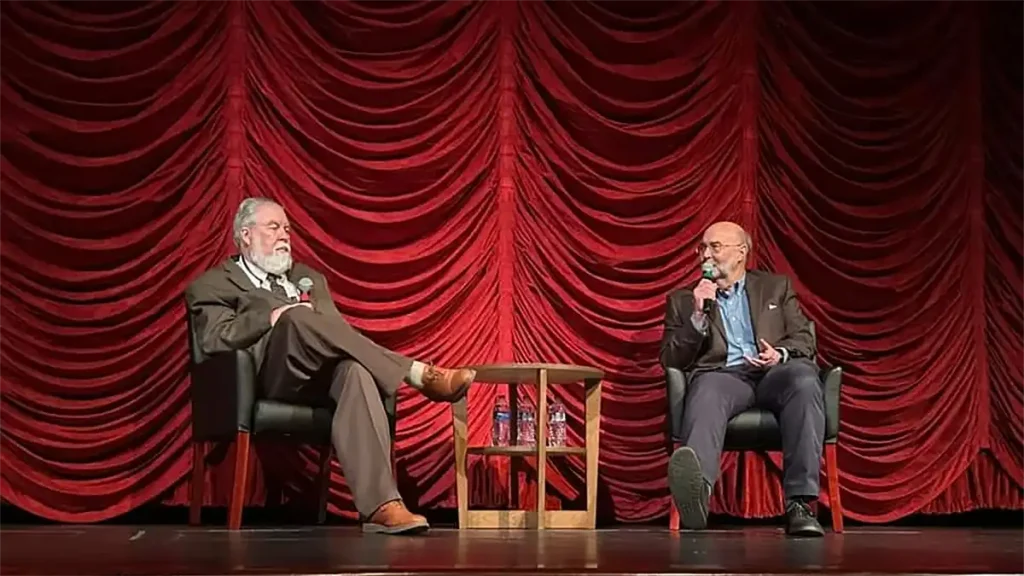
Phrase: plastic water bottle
{"type": "Point", "coordinates": [527, 427]}
{"type": "Point", "coordinates": [501, 418]}
{"type": "Point", "coordinates": [556, 424]}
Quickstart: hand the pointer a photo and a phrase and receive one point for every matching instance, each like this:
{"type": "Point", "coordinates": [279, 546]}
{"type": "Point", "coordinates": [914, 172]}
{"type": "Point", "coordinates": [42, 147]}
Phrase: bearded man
{"type": "Point", "coordinates": [260, 301]}
{"type": "Point", "coordinates": [752, 346]}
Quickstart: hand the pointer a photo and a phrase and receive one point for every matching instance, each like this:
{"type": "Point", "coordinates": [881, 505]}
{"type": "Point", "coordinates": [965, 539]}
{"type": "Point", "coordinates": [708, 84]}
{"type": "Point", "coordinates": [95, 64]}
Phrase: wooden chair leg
{"type": "Point", "coordinates": [240, 482]}
{"type": "Point", "coordinates": [195, 508]}
{"type": "Point", "coordinates": [324, 483]}
{"type": "Point", "coordinates": [832, 472]}
{"type": "Point", "coordinates": [673, 512]}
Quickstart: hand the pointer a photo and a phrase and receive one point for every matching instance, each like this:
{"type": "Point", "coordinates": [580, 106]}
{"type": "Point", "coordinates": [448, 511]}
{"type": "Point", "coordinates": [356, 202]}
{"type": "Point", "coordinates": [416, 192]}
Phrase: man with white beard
{"type": "Point", "coordinates": [282, 312]}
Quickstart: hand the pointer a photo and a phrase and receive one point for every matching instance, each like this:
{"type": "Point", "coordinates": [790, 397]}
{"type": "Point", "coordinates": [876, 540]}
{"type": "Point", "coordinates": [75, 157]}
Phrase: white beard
{"type": "Point", "coordinates": [277, 263]}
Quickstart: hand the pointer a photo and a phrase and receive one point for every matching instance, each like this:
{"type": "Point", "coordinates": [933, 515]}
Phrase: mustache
{"type": "Point", "coordinates": [286, 245]}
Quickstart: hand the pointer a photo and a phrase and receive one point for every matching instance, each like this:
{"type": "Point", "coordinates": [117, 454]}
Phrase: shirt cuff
{"type": "Point", "coordinates": [700, 323]}
{"type": "Point", "coordinates": [785, 354]}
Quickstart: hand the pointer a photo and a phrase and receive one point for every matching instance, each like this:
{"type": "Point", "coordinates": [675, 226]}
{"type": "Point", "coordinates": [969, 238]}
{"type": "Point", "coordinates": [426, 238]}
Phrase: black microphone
{"type": "Point", "coordinates": [305, 285]}
{"type": "Point", "coordinates": [708, 272]}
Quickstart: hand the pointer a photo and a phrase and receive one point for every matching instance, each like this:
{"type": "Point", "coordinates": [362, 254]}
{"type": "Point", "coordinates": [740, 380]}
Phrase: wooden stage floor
{"type": "Point", "coordinates": [162, 549]}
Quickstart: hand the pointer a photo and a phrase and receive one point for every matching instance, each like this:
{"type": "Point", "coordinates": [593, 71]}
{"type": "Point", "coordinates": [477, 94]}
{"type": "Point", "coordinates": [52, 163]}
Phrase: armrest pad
{"type": "Point", "coordinates": [831, 381]}
{"type": "Point", "coordinates": [223, 390]}
{"type": "Point", "coordinates": [676, 382]}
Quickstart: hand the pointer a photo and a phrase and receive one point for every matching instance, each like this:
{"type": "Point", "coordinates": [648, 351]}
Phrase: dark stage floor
{"type": "Point", "coordinates": [345, 550]}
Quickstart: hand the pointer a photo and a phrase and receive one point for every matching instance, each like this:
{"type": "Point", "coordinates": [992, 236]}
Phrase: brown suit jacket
{"type": "Point", "coordinates": [230, 313]}
{"type": "Point", "coordinates": [775, 315]}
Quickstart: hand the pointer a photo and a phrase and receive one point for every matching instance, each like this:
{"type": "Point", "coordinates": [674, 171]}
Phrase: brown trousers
{"type": "Point", "coordinates": [313, 356]}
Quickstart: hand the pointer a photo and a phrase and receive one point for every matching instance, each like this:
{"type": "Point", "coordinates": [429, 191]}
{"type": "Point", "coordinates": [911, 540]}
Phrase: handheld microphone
{"type": "Point", "coordinates": [708, 271]}
{"type": "Point", "coordinates": [305, 285]}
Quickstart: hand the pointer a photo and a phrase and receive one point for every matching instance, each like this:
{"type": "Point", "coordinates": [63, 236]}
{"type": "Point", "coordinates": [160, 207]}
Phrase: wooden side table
{"type": "Point", "coordinates": [542, 375]}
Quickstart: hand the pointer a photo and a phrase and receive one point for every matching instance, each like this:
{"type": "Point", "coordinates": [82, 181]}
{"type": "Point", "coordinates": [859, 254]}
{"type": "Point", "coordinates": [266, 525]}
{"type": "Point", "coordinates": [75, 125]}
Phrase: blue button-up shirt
{"type": "Point", "coordinates": [734, 307]}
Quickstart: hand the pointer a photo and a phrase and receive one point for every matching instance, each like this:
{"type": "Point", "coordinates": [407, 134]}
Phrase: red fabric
{"type": "Point", "coordinates": [516, 181]}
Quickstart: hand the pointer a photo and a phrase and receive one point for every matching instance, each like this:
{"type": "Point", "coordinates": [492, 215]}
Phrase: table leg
{"type": "Point", "coordinates": [541, 436]}
{"type": "Point", "coordinates": [514, 465]}
{"type": "Point", "coordinates": [593, 444]}
{"type": "Point", "coordinates": [459, 424]}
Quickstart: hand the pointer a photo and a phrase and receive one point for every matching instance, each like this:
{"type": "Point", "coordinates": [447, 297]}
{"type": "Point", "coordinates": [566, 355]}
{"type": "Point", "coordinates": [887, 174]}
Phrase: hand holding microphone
{"type": "Point", "coordinates": [705, 291]}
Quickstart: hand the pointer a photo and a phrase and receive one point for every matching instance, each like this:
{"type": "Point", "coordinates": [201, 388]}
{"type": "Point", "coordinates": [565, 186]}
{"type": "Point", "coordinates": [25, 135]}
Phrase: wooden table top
{"type": "Point", "coordinates": [515, 373]}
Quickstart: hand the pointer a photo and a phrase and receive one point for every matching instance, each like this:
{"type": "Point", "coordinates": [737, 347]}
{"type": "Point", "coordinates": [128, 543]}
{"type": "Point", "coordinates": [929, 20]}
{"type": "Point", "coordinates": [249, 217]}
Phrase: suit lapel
{"type": "Point", "coordinates": [755, 300]}
{"type": "Point", "coordinates": [717, 323]}
{"type": "Point", "coordinates": [236, 276]}
{"type": "Point", "coordinates": [298, 271]}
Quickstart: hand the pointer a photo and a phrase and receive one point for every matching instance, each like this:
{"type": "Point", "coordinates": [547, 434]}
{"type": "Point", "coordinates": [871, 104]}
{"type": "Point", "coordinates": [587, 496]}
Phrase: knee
{"type": "Point", "coordinates": [806, 388]}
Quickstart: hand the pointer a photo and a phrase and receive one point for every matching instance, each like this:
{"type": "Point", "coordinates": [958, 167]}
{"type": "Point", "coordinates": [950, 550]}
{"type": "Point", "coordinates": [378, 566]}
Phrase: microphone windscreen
{"type": "Point", "coordinates": [305, 284]}
{"type": "Point", "coordinates": [708, 270]}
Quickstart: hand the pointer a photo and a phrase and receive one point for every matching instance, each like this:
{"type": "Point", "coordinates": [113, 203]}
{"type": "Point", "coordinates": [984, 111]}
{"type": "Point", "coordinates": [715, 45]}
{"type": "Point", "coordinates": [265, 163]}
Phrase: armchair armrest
{"type": "Point", "coordinates": [676, 382]}
{"type": "Point", "coordinates": [223, 390]}
{"type": "Point", "coordinates": [831, 380]}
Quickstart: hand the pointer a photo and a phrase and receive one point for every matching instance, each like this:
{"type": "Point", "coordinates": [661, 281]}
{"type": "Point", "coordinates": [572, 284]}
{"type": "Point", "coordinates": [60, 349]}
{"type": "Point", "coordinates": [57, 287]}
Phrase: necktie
{"type": "Point", "coordinates": [276, 287]}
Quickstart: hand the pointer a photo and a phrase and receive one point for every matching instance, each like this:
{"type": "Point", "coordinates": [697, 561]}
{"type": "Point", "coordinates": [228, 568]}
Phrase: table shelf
{"type": "Point", "coordinates": [522, 451]}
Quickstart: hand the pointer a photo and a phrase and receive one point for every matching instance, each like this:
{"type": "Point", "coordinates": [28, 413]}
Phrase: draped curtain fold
{"type": "Point", "coordinates": [515, 181]}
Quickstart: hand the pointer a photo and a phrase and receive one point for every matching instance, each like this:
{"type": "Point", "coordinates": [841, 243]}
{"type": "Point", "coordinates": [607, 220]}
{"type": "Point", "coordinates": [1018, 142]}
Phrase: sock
{"type": "Point", "coordinates": [415, 377]}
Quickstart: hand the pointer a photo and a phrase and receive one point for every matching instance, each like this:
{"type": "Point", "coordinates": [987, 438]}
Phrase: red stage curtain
{"type": "Point", "coordinates": [516, 181]}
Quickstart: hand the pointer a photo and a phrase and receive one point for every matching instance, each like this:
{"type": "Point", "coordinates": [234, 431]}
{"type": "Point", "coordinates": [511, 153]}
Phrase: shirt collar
{"type": "Point", "coordinates": [253, 269]}
{"type": "Point", "coordinates": [738, 288]}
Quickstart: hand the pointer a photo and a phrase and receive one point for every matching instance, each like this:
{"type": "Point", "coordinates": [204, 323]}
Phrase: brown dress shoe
{"type": "Point", "coordinates": [445, 385]}
{"type": "Point", "coordinates": [394, 518]}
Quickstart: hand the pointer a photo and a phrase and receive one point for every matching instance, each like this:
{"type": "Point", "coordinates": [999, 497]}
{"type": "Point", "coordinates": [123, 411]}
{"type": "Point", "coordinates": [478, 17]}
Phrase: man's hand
{"type": "Point", "coordinates": [705, 290]}
{"type": "Point", "coordinates": [275, 315]}
{"type": "Point", "coordinates": [768, 357]}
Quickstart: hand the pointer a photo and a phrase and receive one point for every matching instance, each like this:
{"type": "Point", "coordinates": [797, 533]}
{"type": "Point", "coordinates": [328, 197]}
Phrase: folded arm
{"type": "Point", "coordinates": [220, 329]}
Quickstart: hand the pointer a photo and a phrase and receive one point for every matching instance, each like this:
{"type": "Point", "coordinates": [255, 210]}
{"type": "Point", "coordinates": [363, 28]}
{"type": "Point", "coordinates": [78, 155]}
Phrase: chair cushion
{"type": "Point", "coordinates": [755, 429]}
{"type": "Point", "coordinates": [308, 423]}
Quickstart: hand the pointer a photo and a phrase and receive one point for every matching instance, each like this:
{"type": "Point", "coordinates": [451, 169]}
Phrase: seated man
{"type": "Point", "coordinates": [305, 351]}
{"type": "Point", "coordinates": [751, 347]}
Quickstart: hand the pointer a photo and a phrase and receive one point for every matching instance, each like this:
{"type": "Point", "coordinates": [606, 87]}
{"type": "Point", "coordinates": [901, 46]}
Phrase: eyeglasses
{"type": "Point", "coordinates": [716, 247]}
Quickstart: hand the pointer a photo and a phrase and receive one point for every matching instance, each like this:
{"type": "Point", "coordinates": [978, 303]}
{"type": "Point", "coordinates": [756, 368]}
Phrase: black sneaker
{"type": "Point", "coordinates": [689, 490]}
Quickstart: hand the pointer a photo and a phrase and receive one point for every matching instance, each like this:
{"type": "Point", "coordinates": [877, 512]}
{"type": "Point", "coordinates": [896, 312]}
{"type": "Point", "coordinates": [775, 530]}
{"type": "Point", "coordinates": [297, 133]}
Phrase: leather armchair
{"type": "Point", "coordinates": [227, 406]}
{"type": "Point", "coordinates": [758, 429]}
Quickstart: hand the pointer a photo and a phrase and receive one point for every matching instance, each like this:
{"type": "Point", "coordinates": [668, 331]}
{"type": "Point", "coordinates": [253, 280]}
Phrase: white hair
{"type": "Point", "coordinates": [245, 217]}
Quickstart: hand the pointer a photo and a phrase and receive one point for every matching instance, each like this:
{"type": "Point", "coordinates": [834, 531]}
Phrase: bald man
{"type": "Point", "coordinates": [755, 348]}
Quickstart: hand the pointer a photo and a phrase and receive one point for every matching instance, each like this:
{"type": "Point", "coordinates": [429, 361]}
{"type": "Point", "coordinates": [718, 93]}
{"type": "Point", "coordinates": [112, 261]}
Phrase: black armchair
{"type": "Point", "coordinates": [757, 429]}
{"type": "Point", "coordinates": [226, 406]}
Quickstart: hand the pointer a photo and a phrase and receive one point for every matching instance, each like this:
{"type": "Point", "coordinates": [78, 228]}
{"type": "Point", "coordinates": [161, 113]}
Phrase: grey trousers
{"type": "Point", "coordinates": [791, 391]}
{"type": "Point", "coordinates": [313, 357]}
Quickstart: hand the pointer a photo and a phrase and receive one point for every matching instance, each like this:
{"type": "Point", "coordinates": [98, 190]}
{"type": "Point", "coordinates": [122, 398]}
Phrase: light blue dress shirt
{"type": "Point", "coordinates": [734, 307]}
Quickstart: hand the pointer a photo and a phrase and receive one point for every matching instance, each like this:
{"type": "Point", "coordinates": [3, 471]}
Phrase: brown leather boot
{"type": "Point", "coordinates": [394, 518]}
{"type": "Point", "coordinates": [445, 385]}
